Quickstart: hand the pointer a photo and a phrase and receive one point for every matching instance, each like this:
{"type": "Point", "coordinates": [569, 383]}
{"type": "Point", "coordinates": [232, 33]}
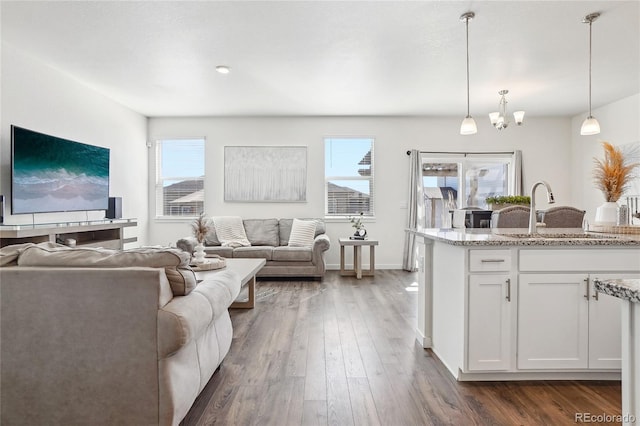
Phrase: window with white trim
{"type": "Point", "coordinates": [349, 176]}
{"type": "Point", "coordinates": [179, 177]}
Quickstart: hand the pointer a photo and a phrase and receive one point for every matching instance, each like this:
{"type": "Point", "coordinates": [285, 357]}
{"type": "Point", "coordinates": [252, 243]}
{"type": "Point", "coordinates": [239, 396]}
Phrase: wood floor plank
{"type": "Point", "coordinates": [314, 413]}
{"type": "Point", "coordinates": [339, 411]}
{"type": "Point", "coordinates": [297, 361]}
{"type": "Point", "coordinates": [342, 351]}
{"type": "Point", "coordinates": [315, 385]}
{"type": "Point", "coordinates": [282, 403]}
{"type": "Point", "coordinates": [343, 304]}
{"type": "Point", "coordinates": [338, 403]}
{"type": "Point", "coordinates": [362, 404]}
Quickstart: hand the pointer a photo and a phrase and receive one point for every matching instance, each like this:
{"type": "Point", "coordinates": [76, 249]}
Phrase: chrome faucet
{"type": "Point", "coordinates": [533, 222]}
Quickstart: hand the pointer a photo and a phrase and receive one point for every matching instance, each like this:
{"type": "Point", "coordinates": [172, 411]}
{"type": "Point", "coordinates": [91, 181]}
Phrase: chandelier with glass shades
{"type": "Point", "coordinates": [499, 119]}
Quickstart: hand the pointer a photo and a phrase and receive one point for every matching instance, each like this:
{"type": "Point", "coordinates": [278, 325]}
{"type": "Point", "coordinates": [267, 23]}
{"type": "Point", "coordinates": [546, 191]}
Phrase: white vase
{"type": "Point", "coordinates": [607, 213]}
{"type": "Point", "coordinates": [199, 254]}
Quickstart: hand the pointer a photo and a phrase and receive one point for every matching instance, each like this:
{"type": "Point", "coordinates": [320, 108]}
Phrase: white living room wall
{"type": "Point", "coordinates": [619, 125]}
{"type": "Point", "coordinates": [545, 144]}
{"type": "Point", "coordinates": [38, 97]}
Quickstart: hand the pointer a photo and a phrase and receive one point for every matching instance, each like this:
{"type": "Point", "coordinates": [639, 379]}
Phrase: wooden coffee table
{"type": "Point", "coordinates": [246, 270]}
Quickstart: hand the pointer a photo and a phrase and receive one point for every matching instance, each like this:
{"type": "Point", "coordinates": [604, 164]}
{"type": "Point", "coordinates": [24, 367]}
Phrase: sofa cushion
{"type": "Point", "coordinates": [262, 232]}
{"type": "Point", "coordinates": [230, 231]}
{"type": "Point", "coordinates": [302, 233]}
{"type": "Point", "coordinates": [253, 252]}
{"type": "Point", "coordinates": [219, 250]}
{"type": "Point", "coordinates": [295, 254]}
{"type": "Point", "coordinates": [285, 229]}
{"type": "Point", "coordinates": [174, 261]}
{"type": "Point", "coordinates": [211, 239]}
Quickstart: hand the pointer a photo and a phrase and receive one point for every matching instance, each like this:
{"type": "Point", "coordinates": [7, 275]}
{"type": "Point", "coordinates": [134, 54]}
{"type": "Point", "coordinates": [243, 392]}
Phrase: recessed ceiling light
{"type": "Point", "coordinates": [223, 69]}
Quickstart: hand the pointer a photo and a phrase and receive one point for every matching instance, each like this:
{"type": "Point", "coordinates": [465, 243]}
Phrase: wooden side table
{"type": "Point", "coordinates": [357, 257]}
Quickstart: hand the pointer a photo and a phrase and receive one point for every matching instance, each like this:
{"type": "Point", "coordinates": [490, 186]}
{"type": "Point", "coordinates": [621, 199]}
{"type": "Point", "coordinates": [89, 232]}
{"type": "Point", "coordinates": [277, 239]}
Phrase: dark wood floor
{"type": "Point", "coordinates": [342, 352]}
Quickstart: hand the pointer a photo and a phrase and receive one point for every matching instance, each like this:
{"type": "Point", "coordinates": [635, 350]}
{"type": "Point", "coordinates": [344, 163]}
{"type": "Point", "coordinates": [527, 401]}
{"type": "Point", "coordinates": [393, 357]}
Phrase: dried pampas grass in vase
{"type": "Point", "coordinates": [613, 175]}
{"type": "Point", "coordinates": [200, 228]}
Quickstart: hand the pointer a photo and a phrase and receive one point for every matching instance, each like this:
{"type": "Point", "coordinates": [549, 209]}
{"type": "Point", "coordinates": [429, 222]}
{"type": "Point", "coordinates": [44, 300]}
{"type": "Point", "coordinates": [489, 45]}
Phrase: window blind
{"type": "Point", "coordinates": [349, 176]}
{"type": "Point", "coordinates": [180, 177]}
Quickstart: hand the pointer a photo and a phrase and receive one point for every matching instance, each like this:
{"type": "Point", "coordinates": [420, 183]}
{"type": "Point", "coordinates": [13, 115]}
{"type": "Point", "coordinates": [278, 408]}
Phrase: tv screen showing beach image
{"type": "Point", "coordinates": [51, 174]}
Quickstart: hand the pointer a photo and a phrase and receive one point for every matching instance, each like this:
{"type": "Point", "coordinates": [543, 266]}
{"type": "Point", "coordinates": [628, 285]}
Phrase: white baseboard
{"type": "Point", "coordinates": [336, 267]}
{"type": "Point", "coordinates": [423, 341]}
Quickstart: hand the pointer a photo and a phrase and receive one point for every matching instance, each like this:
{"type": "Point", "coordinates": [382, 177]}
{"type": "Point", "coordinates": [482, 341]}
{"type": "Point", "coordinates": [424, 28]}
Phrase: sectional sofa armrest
{"type": "Point", "coordinates": [187, 244]}
{"type": "Point", "coordinates": [320, 244]}
{"type": "Point", "coordinates": [185, 318]}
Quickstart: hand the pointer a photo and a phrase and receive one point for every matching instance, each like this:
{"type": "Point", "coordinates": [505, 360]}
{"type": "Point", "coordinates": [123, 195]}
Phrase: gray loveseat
{"type": "Point", "coordinates": [269, 240]}
{"type": "Point", "coordinates": [104, 337]}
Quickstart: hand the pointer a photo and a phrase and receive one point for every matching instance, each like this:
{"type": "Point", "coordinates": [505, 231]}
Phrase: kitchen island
{"type": "Point", "coordinates": [629, 293]}
{"type": "Point", "coordinates": [501, 304]}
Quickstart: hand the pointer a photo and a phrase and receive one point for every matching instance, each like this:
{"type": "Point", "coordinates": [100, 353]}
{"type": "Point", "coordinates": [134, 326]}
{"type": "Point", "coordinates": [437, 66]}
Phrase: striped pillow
{"type": "Point", "coordinates": [302, 233]}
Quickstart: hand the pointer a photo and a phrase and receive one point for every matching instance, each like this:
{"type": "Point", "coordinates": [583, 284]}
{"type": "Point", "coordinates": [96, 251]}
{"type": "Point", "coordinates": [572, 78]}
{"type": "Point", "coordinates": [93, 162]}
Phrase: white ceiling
{"type": "Point", "coordinates": [334, 57]}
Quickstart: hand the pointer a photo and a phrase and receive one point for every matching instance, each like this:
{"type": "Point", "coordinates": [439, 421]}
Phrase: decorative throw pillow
{"type": "Point", "coordinates": [230, 231]}
{"type": "Point", "coordinates": [262, 232]}
{"type": "Point", "coordinates": [302, 233]}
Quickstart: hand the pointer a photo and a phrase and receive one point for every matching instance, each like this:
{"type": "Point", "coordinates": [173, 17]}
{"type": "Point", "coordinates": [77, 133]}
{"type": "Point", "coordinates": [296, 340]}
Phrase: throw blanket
{"type": "Point", "coordinates": [230, 231]}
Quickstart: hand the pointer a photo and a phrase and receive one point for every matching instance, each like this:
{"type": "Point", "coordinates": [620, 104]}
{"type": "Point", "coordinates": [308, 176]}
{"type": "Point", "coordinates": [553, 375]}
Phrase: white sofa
{"type": "Point", "coordinates": [128, 338]}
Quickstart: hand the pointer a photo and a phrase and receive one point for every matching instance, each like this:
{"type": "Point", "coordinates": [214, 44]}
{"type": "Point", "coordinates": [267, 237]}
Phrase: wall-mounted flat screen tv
{"type": "Point", "coordinates": [51, 174]}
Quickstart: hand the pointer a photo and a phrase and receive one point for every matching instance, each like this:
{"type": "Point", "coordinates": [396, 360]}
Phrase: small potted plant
{"type": "Point", "coordinates": [356, 222]}
{"type": "Point", "coordinates": [200, 228]}
{"type": "Point", "coordinates": [502, 201]}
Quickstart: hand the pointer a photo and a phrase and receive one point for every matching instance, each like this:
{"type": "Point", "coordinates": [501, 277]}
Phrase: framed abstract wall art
{"type": "Point", "coordinates": [265, 173]}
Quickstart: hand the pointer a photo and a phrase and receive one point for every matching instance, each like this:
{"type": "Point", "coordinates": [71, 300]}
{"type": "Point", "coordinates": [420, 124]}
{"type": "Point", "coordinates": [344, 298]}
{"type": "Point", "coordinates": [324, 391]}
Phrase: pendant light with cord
{"type": "Point", "coordinates": [468, 126]}
{"type": "Point", "coordinates": [590, 125]}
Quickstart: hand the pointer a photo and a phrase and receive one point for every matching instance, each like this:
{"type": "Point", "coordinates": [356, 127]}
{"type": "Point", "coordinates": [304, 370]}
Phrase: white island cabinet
{"type": "Point", "coordinates": [490, 310]}
{"type": "Point", "coordinates": [496, 307]}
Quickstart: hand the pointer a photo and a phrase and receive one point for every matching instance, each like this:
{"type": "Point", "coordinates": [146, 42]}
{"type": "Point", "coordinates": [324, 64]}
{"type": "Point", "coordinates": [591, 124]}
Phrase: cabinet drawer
{"type": "Point", "coordinates": [489, 260]}
{"type": "Point", "coordinates": [601, 260]}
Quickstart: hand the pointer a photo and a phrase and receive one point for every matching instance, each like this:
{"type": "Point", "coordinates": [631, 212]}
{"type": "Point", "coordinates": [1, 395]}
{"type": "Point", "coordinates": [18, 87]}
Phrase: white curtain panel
{"type": "Point", "coordinates": [413, 210]}
{"type": "Point", "coordinates": [517, 172]}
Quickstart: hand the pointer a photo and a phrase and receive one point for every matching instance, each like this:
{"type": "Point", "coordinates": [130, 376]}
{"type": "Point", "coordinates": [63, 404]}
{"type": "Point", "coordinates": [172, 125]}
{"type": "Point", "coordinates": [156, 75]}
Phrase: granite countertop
{"type": "Point", "coordinates": [627, 289]}
{"type": "Point", "coordinates": [521, 237]}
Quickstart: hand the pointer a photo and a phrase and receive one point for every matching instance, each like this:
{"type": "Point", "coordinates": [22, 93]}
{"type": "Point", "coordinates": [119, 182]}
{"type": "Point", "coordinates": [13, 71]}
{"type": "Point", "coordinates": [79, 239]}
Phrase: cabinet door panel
{"type": "Point", "coordinates": [552, 321]}
{"type": "Point", "coordinates": [489, 330]}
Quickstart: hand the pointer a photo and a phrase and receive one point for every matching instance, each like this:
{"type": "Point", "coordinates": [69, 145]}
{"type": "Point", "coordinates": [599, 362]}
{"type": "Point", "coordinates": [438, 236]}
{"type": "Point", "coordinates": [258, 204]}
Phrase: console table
{"type": "Point", "coordinates": [108, 233]}
{"type": "Point", "coordinates": [357, 257]}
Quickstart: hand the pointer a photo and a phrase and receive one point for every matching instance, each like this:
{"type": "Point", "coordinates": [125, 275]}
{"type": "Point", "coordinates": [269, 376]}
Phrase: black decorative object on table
{"type": "Point", "coordinates": [361, 232]}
